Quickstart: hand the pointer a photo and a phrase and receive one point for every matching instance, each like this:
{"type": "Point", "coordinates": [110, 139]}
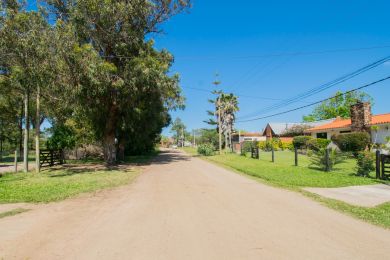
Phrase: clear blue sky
{"type": "Point", "coordinates": [214, 36]}
{"type": "Point", "coordinates": [214, 33]}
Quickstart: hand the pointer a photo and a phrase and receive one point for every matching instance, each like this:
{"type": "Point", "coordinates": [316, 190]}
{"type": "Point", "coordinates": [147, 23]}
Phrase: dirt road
{"type": "Point", "coordinates": [186, 208]}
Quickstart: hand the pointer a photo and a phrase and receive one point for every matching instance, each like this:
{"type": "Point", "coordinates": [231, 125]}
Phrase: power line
{"type": "Point", "coordinates": [238, 95]}
{"type": "Point", "coordinates": [315, 103]}
{"type": "Point", "coordinates": [199, 57]}
{"type": "Point", "coordinates": [323, 87]}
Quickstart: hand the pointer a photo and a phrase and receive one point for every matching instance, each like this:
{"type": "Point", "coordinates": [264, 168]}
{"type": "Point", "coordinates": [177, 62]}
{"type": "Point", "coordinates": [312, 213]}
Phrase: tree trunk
{"type": "Point", "coordinates": [21, 133]}
{"type": "Point", "coordinates": [26, 130]}
{"type": "Point", "coordinates": [121, 150]}
{"type": "Point", "coordinates": [109, 145]}
{"type": "Point", "coordinates": [37, 132]}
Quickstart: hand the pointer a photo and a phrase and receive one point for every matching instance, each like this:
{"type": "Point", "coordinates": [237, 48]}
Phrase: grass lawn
{"type": "Point", "coordinates": [284, 174]}
{"type": "Point", "coordinates": [58, 184]}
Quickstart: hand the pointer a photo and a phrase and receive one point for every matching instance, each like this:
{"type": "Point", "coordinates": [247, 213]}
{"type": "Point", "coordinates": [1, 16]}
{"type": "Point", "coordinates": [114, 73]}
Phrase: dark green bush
{"type": "Point", "coordinates": [206, 149]}
{"type": "Point", "coordinates": [365, 163]}
{"type": "Point", "coordinates": [62, 137]}
{"type": "Point", "coordinates": [352, 142]}
{"type": "Point", "coordinates": [317, 144]}
{"type": "Point", "coordinates": [300, 142]}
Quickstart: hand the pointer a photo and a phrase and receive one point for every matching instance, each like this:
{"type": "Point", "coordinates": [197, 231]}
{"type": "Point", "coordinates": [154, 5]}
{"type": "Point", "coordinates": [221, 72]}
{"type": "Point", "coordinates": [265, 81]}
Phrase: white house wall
{"type": "Point", "coordinates": [382, 133]}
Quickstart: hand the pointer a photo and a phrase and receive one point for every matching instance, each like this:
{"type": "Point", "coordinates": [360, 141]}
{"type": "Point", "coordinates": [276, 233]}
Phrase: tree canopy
{"type": "Point", "coordinates": [94, 62]}
{"type": "Point", "coordinates": [337, 106]}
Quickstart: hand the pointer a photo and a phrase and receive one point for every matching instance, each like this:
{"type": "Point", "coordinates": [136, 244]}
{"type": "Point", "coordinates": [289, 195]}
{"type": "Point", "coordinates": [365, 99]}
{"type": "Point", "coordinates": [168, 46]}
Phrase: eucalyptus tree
{"type": "Point", "coordinates": [113, 76]}
{"type": "Point", "coordinates": [25, 43]}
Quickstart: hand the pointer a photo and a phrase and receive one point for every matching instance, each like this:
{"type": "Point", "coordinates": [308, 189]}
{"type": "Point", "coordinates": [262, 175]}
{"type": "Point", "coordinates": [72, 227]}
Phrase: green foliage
{"type": "Point", "coordinates": [365, 163]}
{"type": "Point", "coordinates": [320, 159]}
{"type": "Point", "coordinates": [178, 129]}
{"type": "Point", "coordinates": [339, 105]}
{"type": "Point", "coordinates": [274, 143]}
{"type": "Point", "coordinates": [300, 142]}
{"type": "Point", "coordinates": [352, 142]}
{"type": "Point", "coordinates": [206, 149]}
{"type": "Point", "coordinates": [63, 137]}
{"type": "Point", "coordinates": [296, 130]}
{"type": "Point", "coordinates": [208, 136]}
{"type": "Point", "coordinates": [317, 144]}
{"type": "Point", "coordinates": [247, 146]}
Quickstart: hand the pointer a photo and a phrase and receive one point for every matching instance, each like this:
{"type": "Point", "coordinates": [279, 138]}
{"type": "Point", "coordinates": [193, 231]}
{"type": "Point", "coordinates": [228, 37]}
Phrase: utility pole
{"type": "Point", "coordinates": [194, 143]}
{"type": "Point", "coordinates": [218, 104]}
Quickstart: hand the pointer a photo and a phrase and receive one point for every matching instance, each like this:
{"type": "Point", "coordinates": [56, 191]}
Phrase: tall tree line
{"type": "Point", "coordinates": [94, 62]}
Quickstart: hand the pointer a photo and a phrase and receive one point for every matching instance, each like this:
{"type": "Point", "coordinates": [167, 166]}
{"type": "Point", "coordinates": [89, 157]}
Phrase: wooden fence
{"type": "Point", "coordinates": [382, 166]}
{"type": "Point", "coordinates": [50, 158]}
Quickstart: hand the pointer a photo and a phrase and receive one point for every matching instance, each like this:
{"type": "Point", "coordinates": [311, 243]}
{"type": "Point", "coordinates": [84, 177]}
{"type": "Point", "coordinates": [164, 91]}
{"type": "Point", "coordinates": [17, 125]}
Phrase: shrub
{"type": "Point", "coordinates": [319, 158]}
{"type": "Point", "coordinates": [317, 144]}
{"type": "Point", "coordinates": [365, 163]}
{"type": "Point", "coordinates": [287, 146]}
{"type": "Point", "coordinates": [352, 142]}
{"type": "Point", "coordinates": [269, 144]}
{"type": "Point", "coordinates": [300, 142]}
{"type": "Point", "coordinates": [247, 146]}
{"type": "Point", "coordinates": [206, 149]}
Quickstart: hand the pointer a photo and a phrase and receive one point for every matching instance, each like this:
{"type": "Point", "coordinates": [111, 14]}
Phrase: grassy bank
{"type": "Point", "coordinates": [58, 184]}
{"type": "Point", "coordinates": [284, 174]}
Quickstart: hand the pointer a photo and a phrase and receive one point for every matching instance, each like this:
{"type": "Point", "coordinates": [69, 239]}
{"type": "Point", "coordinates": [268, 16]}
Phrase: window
{"type": "Point", "coordinates": [322, 135]}
{"type": "Point", "coordinates": [344, 132]}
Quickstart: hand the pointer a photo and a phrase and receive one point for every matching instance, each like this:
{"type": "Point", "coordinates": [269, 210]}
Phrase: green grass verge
{"type": "Point", "coordinates": [12, 212]}
{"type": "Point", "coordinates": [284, 174]}
{"type": "Point", "coordinates": [54, 185]}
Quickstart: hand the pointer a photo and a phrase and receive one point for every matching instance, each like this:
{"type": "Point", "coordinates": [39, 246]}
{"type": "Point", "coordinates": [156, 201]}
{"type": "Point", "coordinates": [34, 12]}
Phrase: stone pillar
{"type": "Point", "coordinates": [361, 117]}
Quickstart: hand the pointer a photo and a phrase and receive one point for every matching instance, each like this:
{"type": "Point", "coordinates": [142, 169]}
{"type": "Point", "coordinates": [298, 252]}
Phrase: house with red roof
{"type": "Point", "coordinates": [361, 120]}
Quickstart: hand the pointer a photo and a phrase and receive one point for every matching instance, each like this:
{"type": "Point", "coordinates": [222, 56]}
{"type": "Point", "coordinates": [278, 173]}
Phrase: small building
{"type": "Point", "coordinates": [361, 120]}
{"type": "Point", "coordinates": [239, 138]}
{"type": "Point", "coordinates": [279, 130]}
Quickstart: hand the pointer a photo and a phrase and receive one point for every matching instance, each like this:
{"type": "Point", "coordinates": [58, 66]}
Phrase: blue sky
{"type": "Point", "coordinates": [232, 39]}
{"type": "Point", "coordinates": [215, 34]}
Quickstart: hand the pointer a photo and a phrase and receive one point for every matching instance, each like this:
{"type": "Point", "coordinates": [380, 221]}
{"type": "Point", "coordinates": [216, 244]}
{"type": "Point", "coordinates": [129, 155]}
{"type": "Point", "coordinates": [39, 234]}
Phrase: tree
{"type": "Point", "coordinates": [25, 41]}
{"type": "Point", "coordinates": [337, 106]}
{"type": "Point", "coordinates": [112, 75]}
{"type": "Point", "coordinates": [178, 129]}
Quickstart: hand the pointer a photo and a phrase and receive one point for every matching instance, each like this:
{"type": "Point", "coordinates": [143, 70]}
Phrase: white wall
{"type": "Point", "coordinates": [381, 134]}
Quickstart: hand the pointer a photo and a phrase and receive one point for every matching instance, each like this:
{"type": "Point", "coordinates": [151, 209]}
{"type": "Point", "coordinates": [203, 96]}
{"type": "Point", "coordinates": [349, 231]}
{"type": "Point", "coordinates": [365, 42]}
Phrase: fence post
{"type": "Point", "coordinates": [16, 161]}
{"type": "Point", "coordinates": [273, 154]}
{"type": "Point", "coordinates": [378, 164]}
{"type": "Point", "coordinates": [51, 158]}
{"type": "Point", "coordinates": [327, 167]}
{"type": "Point", "coordinates": [383, 166]}
{"type": "Point", "coordinates": [296, 156]}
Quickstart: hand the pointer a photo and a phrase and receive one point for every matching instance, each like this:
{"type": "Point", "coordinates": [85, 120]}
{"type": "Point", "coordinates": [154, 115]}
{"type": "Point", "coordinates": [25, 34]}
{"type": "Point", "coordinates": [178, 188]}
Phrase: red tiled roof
{"type": "Point", "coordinates": [344, 123]}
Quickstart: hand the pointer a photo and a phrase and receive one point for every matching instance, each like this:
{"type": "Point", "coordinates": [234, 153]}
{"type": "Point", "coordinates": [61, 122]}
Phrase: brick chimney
{"type": "Point", "coordinates": [361, 117]}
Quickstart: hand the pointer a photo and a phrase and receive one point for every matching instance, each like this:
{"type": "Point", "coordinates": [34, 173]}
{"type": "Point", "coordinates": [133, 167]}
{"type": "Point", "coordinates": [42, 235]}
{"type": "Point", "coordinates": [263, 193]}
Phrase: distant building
{"type": "Point", "coordinates": [361, 120]}
{"type": "Point", "coordinates": [278, 130]}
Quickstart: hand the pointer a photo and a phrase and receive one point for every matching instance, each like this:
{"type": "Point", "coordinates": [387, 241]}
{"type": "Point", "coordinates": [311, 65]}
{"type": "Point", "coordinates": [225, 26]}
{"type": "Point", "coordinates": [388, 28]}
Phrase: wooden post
{"type": "Point", "coordinates": [273, 154]}
{"type": "Point", "coordinates": [51, 158]}
{"type": "Point", "coordinates": [383, 167]}
{"type": "Point", "coordinates": [16, 161]}
{"type": "Point", "coordinates": [296, 156]}
{"type": "Point", "coordinates": [378, 164]}
{"type": "Point", "coordinates": [327, 167]}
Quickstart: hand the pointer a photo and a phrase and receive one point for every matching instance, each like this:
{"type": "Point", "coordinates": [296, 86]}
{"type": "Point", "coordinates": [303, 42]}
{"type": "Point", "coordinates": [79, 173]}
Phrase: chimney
{"type": "Point", "coordinates": [361, 117]}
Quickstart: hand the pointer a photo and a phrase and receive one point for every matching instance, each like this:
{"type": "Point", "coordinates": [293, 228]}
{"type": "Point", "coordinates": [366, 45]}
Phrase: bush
{"type": "Point", "coordinates": [319, 158]}
{"type": "Point", "coordinates": [287, 146]}
{"type": "Point", "coordinates": [352, 142]}
{"type": "Point", "coordinates": [300, 142]}
{"type": "Point", "coordinates": [206, 149]}
{"type": "Point", "coordinates": [247, 147]}
{"type": "Point", "coordinates": [317, 144]}
{"type": "Point", "coordinates": [275, 143]}
{"type": "Point", "coordinates": [365, 163]}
